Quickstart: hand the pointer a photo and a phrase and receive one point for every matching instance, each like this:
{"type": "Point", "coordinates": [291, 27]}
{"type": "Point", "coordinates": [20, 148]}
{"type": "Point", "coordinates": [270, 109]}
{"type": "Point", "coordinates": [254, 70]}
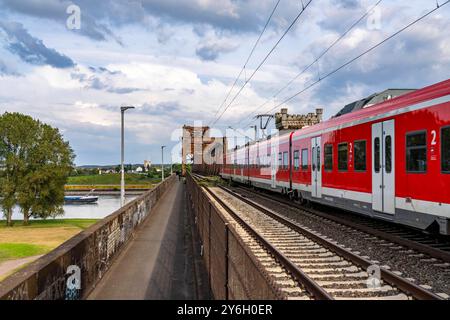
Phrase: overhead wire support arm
{"type": "Point", "coordinates": [362, 54]}
{"type": "Point", "coordinates": [339, 39]}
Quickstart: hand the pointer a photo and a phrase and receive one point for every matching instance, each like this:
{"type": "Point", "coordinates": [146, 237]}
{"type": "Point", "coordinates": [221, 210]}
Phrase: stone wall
{"type": "Point", "coordinates": [85, 257]}
{"type": "Point", "coordinates": [285, 121]}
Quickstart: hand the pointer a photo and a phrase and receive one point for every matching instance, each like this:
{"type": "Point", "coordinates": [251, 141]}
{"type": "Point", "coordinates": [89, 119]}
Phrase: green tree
{"type": "Point", "coordinates": [37, 162]}
{"type": "Point", "coordinates": [16, 139]}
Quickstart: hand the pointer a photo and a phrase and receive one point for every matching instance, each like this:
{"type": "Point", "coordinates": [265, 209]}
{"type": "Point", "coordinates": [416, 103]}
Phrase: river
{"type": "Point", "coordinates": [104, 207]}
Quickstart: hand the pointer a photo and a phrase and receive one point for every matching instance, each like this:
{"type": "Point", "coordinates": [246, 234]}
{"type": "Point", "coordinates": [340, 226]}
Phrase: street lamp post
{"type": "Point", "coordinates": [162, 160]}
{"type": "Point", "coordinates": [122, 155]}
{"type": "Point", "coordinates": [235, 136]}
{"type": "Point", "coordinates": [255, 127]}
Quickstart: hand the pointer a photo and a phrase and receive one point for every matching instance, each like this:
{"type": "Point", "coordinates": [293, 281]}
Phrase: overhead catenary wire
{"type": "Point", "coordinates": [359, 56]}
{"type": "Point", "coordinates": [339, 39]}
{"type": "Point", "coordinates": [304, 7]}
{"type": "Point", "coordinates": [248, 58]}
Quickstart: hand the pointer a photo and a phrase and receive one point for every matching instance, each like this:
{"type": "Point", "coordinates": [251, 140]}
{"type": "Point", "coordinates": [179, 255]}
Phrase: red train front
{"type": "Point", "coordinates": [390, 161]}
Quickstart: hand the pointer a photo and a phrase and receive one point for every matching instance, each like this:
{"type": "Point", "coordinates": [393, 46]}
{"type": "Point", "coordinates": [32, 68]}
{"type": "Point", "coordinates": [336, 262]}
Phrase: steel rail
{"type": "Point", "coordinates": [414, 245]}
{"type": "Point", "coordinates": [406, 286]}
{"type": "Point", "coordinates": [303, 279]}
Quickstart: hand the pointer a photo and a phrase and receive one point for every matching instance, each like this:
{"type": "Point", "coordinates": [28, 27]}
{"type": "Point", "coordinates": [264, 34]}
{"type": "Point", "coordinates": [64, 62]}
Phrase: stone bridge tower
{"type": "Point", "coordinates": [204, 152]}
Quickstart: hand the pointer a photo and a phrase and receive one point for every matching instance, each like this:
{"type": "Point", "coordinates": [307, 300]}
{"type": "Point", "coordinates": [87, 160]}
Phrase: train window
{"type": "Point", "coordinates": [328, 157]}
{"type": "Point", "coordinates": [280, 159]}
{"type": "Point", "coordinates": [376, 155]}
{"type": "Point", "coordinates": [388, 154]}
{"type": "Point", "coordinates": [285, 160]}
{"type": "Point", "coordinates": [305, 159]}
{"type": "Point", "coordinates": [318, 158]}
{"type": "Point", "coordinates": [445, 149]}
{"type": "Point", "coordinates": [416, 152]}
{"type": "Point", "coordinates": [296, 160]}
{"type": "Point", "coordinates": [360, 155]}
{"type": "Point", "coordinates": [343, 157]}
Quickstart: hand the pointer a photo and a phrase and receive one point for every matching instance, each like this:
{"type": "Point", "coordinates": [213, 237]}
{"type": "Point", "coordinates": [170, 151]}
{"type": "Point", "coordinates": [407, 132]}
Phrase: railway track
{"type": "Point", "coordinates": [426, 244]}
{"type": "Point", "coordinates": [321, 268]}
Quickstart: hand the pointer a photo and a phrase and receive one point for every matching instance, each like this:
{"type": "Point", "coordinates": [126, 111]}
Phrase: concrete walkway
{"type": "Point", "coordinates": [158, 263]}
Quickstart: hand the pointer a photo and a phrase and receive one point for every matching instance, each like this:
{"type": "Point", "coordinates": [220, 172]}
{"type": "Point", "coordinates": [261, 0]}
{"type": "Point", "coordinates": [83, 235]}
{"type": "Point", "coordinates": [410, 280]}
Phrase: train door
{"type": "Point", "coordinates": [247, 173]}
{"type": "Point", "coordinates": [234, 162]}
{"type": "Point", "coordinates": [316, 169]}
{"type": "Point", "coordinates": [383, 167]}
{"type": "Point", "coordinates": [243, 161]}
{"type": "Point", "coordinates": [273, 168]}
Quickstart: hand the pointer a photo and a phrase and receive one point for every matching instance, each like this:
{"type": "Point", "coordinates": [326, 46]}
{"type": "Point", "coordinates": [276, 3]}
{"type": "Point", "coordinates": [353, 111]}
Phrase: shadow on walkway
{"type": "Point", "coordinates": [162, 261]}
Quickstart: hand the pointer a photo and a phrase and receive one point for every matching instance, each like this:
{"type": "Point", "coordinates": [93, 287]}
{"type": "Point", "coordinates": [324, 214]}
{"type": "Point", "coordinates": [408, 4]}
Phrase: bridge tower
{"type": "Point", "coordinates": [204, 152]}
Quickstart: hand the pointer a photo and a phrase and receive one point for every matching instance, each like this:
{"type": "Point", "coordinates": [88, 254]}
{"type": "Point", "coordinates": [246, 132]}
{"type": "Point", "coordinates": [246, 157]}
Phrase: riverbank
{"type": "Point", "coordinates": [82, 192]}
{"type": "Point", "coordinates": [113, 179]}
{"type": "Point", "coordinates": [19, 242]}
{"type": "Point", "coordinates": [106, 188]}
{"type": "Point", "coordinates": [109, 184]}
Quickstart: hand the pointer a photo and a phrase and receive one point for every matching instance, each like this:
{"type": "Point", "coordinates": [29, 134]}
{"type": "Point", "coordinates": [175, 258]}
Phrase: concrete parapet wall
{"type": "Point", "coordinates": [233, 270]}
{"type": "Point", "coordinates": [85, 257]}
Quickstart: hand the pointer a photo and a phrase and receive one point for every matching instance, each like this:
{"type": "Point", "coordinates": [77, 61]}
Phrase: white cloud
{"type": "Point", "coordinates": [159, 70]}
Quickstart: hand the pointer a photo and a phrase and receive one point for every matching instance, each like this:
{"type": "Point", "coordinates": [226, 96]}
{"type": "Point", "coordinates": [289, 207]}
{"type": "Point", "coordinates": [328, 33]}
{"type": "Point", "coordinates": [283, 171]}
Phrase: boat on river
{"type": "Point", "coordinates": [88, 198]}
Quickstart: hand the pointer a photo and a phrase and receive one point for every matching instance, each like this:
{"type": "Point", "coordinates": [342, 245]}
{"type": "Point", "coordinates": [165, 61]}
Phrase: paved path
{"type": "Point", "coordinates": [157, 263]}
{"type": "Point", "coordinates": [9, 266]}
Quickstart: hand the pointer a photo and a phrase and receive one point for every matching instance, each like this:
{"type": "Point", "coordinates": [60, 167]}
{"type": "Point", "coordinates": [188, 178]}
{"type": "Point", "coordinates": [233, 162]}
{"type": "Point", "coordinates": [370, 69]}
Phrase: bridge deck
{"type": "Point", "coordinates": [159, 263]}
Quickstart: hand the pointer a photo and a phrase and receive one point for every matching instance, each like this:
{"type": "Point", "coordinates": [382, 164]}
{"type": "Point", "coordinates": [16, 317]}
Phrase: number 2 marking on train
{"type": "Point", "coordinates": [433, 140]}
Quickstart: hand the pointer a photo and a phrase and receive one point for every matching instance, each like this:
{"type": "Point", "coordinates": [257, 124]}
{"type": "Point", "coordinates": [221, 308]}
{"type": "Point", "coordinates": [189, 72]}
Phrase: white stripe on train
{"type": "Point", "coordinates": [413, 205]}
{"type": "Point", "coordinates": [414, 107]}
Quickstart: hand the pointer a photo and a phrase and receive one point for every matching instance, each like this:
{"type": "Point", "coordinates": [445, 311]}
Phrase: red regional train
{"type": "Point", "coordinates": [388, 161]}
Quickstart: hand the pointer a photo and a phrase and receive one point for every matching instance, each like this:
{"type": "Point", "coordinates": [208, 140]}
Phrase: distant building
{"type": "Point", "coordinates": [147, 165]}
{"type": "Point", "coordinates": [288, 122]}
{"type": "Point", "coordinates": [105, 171]}
{"type": "Point", "coordinates": [139, 170]}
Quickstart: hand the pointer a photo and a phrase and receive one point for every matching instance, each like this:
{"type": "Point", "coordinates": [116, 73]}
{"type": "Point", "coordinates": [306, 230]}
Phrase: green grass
{"type": "Point", "coordinates": [49, 223]}
{"type": "Point", "coordinates": [10, 251]}
{"type": "Point", "coordinates": [211, 182]}
{"type": "Point", "coordinates": [37, 238]}
{"type": "Point", "coordinates": [113, 179]}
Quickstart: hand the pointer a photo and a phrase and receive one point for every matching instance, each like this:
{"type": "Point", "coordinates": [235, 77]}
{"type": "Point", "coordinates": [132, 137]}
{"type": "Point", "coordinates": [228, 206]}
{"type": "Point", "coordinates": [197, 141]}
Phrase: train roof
{"type": "Point", "coordinates": [372, 100]}
{"type": "Point", "coordinates": [428, 93]}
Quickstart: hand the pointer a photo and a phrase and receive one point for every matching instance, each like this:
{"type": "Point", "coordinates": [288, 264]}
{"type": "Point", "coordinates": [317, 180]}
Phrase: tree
{"type": "Point", "coordinates": [37, 162]}
{"type": "Point", "coordinates": [16, 136]}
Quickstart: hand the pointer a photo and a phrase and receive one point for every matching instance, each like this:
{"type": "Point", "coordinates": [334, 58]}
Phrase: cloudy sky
{"type": "Point", "coordinates": [175, 60]}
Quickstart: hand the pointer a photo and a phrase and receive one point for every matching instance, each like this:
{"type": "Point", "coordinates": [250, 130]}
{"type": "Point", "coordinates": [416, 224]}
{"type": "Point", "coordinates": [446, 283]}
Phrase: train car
{"type": "Point", "coordinates": [390, 161]}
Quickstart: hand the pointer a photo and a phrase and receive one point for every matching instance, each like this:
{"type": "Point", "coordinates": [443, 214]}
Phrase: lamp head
{"type": "Point", "coordinates": [125, 108]}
